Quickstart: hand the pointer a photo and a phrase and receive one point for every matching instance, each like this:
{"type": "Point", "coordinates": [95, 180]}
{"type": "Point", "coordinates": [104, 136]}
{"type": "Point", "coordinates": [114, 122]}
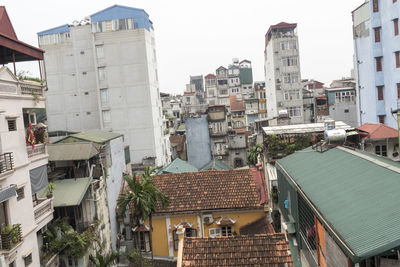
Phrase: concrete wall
{"type": "Point", "coordinates": [198, 141]}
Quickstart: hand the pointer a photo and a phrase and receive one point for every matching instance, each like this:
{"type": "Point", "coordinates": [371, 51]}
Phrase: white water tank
{"type": "Point", "coordinates": [329, 125]}
{"type": "Point", "coordinates": [335, 136]}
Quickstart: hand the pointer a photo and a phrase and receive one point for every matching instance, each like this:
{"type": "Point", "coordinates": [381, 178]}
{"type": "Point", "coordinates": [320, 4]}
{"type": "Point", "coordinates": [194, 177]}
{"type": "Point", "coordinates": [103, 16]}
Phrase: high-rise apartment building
{"type": "Point", "coordinates": [102, 74]}
{"type": "Point", "coordinates": [377, 60]}
{"type": "Point", "coordinates": [282, 72]}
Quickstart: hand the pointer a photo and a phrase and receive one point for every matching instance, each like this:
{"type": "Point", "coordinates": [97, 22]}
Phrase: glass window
{"type": "Point", "coordinates": [102, 73]}
{"type": "Point", "coordinates": [226, 231]}
{"type": "Point", "coordinates": [106, 116]}
{"type": "Point", "coordinates": [100, 51]}
{"type": "Point", "coordinates": [104, 95]}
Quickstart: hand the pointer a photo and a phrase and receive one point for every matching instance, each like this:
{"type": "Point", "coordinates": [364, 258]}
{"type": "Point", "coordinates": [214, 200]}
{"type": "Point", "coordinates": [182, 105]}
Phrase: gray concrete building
{"type": "Point", "coordinates": [282, 72]}
{"type": "Point", "coordinates": [102, 74]}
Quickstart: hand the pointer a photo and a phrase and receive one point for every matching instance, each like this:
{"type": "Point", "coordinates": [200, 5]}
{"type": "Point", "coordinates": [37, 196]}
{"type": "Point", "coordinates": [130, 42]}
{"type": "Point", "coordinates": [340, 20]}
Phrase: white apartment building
{"type": "Point", "coordinates": [23, 168]}
{"type": "Point", "coordinates": [377, 61]}
{"type": "Point", "coordinates": [282, 72]}
{"type": "Point", "coordinates": [102, 74]}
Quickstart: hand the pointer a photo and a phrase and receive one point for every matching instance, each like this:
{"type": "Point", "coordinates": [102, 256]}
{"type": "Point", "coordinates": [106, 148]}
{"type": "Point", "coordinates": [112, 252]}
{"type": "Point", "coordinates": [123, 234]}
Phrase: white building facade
{"type": "Point", "coordinates": [102, 74]}
{"type": "Point", "coordinates": [282, 72]}
{"type": "Point", "coordinates": [377, 61]}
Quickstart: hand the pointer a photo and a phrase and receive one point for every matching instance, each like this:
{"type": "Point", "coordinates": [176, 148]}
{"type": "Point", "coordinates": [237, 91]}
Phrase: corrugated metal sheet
{"type": "Point", "coordinates": [58, 29]}
{"type": "Point", "coordinates": [178, 166]}
{"type": "Point", "coordinates": [71, 151]}
{"type": "Point", "coordinates": [215, 164]}
{"type": "Point", "coordinates": [95, 136]}
{"type": "Point", "coordinates": [357, 197]}
{"type": "Point", "coordinates": [246, 75]}
{"type": "Point", "coordinates": [70, 192]}
{"type": "Point", "coordinates": [303, 128]}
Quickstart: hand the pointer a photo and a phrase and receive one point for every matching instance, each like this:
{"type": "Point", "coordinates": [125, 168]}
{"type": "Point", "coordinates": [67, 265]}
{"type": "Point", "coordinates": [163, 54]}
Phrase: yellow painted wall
{"type": "Point", "coordinates": [160, 238]}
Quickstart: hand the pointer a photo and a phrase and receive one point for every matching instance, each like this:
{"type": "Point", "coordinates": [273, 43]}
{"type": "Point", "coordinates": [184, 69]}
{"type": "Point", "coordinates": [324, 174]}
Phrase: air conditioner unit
{"type": "Point", "coordinates": [208, 219]}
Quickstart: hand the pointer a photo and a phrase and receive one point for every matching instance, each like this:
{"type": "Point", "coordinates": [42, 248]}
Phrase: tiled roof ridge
{"type": "Point", "coordinates": [371, 159]}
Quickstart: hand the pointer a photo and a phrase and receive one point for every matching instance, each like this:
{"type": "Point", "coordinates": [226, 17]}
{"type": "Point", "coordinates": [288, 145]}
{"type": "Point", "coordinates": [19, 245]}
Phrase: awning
{"type": "Point", "coordinates": [7, 193]}
{"type": "Point", "coordinates": [70, 192]}
{"type": "Point", "coordinates": [71, 151]}
{"type": "Point", "coordinates": [39, 179]}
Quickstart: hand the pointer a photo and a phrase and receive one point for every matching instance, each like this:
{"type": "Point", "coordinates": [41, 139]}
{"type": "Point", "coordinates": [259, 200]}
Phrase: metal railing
{"type": "Point", "coordinates": [10, 236]}
{"type": "Point", "coordinates": [53, 261]}
{"type": "Point", "coordinates": [6, 162]}
{"type": "Point", "coordinates": [45, 205]}
{"type": "Point", "coordinates": [31, 89]}
{"type": "Point", "coordinates": [37, 150]}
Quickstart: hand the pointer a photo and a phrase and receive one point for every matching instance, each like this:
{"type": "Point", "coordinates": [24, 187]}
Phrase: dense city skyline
{"type": "Point", "coordinates": [195, 38]}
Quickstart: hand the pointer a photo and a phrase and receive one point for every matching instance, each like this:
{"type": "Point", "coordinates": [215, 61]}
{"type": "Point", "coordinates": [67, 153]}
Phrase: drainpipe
{"type": "Point", "coordinates": [180, 232]}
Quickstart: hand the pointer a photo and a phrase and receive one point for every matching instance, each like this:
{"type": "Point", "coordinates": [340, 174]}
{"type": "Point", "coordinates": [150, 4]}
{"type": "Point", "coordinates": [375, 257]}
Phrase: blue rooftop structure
{"type": "Point", "coordinates": [59, 29]}
{"type": "Point", "coordinates": [140, 17]}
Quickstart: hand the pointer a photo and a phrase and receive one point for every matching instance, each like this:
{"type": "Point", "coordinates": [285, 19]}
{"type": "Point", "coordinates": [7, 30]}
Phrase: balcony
{"type": "Point", "coordinates": [53, 261]}
{"type": "Point", "coordinates": [10, 236]}
{"type": "Point", "coordinates": [6, 162]}
{"type": "Point", "coordinates": [39, 149]}
{"type": "Point", "coordinates": [43, 211]}
{"type": "Point", "coordinates": [31, 89]}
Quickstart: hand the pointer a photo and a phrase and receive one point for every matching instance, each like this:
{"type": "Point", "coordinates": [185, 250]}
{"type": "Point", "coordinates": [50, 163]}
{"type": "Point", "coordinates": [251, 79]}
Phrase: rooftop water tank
{"type": "Point", "coordinates": [329, 125]}
{"type": "Point", "coordinates": [335, 136]}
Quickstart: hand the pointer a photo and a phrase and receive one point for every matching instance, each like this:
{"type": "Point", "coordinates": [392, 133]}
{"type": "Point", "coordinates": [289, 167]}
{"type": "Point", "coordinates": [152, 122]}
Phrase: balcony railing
{"type": "Point", "coordinates": [44, 206]}
{"type": "Point", "coordinates": [10, 236]}
{"type": "Point", "coordinates": [53, 261]}
{"type": "Point", "coordinates": [31, 89]}
{"type": "Point", "coordinates": [37, 150]}
{"type": "Point", "coordinates": [6, 162]}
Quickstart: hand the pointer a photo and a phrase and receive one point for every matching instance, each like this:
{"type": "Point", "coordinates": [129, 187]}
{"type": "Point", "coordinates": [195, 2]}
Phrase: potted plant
{"type": "Point", "coordinates": [50, 189]}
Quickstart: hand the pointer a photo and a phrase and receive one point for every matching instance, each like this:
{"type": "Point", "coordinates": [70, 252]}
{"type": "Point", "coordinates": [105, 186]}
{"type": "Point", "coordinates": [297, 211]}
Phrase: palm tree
{"type": "Point", "coordinates": [104, 261]}
{"type": "Point", "coordinates": [254, 152]}
{"type": "Point", "coordinates": [144, 197]}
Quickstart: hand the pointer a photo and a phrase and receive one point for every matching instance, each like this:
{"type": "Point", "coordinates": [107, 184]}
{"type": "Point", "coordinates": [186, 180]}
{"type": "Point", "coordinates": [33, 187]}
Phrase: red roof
{"type": "Point", "coordinates": [281, 25]}
{"type": "Point", "coordinates": [188, 93]}
{"type": "Point", "coordinates": [210, 76]}
{"type": "Point", "coordinates": [9, 43]}
{"type": "Point", "coordinates": [260, 185]}
{"type": "Point", "coordinates": [235, 104]}
{"type": "Point", "coordinates": [378, 131]}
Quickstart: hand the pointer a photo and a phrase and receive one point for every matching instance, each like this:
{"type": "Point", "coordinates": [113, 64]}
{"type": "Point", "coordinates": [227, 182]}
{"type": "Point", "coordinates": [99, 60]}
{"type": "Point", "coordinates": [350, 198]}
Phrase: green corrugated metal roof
{"type": "Point", "coordinates": [215, 164]}
{"type": "Point", "coordinates": [246, 76]}
{"type": "Point", "coordinates": [71, 151]}
{"type": "Point", "coordinates": [70, 192]}
{"type": "Point", "coordinates": [357, 193]}
{"type": "Point", "coordinates": [178, 166]}
{"type": "Point", "coordinates": [96, 136]}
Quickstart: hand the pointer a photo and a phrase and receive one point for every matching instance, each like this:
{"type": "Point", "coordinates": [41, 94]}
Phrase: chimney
{"type": "Point", "coordinates": [181, 234]}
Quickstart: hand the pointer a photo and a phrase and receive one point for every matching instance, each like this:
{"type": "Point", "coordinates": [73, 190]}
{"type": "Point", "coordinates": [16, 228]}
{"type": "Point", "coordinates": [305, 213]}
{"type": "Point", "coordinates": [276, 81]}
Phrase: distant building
{"type": "Point", "coordinates": [259, 88]}
{"type": "Point", "coordinates": [380, 139]}
{"type": "Point", "coordinates": [198, 83]}
{"type": "Point", "coordinates": [246, 78]}
{"type": "Point", "coordinates": [218, 131]}
{"type": "Point", "coordinates": [222, 86]}
{"type": "Point", "coordinates": [342, 101]}
{"type": "Point", "coordinates": [102, 72]}
{"type": "Point", "coordinates": [211, 92]}
{"type": "Point", "coordinates": [377, 61]}
{"type": "Point", "coordinates": [282, 72]}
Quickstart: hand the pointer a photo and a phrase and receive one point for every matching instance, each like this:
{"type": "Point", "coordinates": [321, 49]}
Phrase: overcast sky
{"type": "Point", "coordinates": [196, 37]}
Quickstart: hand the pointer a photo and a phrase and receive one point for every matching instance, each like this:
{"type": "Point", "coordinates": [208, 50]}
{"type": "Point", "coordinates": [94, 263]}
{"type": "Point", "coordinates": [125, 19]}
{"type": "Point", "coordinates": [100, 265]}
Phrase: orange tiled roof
{"type": "Point", "coordinates": [260, 226]}
{"type": "Point", "coordinates": [378, 131]}
{"type": "Point", "coordinates": [258, 250]}
{"type": "Point", "coordinates": [208, 190]}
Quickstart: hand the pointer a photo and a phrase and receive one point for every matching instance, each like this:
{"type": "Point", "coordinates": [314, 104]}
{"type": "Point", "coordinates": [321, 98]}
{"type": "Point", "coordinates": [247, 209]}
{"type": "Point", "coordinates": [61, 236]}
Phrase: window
{"type": "Point", "coordinates": [380, 92]}
{"type": "Point", "coordinates": [12, 125]}
{"type": "Point", "coordinates": [104, 95]}
{"type": "Point", "coordinates": [377, 34]}
{"type": "Point", "coordinates": [189, 232]}
{"type": "Point", "coordinates": [235, 90]}
{"type": "Point", "coordinates": [396, 27]}
{"type": "Point", "coordinates": [20, 193]}
{"type": "Point", "coordinates": [294, 111]}
{"type": "Point", "coordinates": [106, 116]}
{"type": "Point", "coordinates": [223, 91]}
{"type": "Point", "coordinates": [213, 232]}
{"type": "Point", "coordinates": [226, 231]}
{"type": "Point", "coordinates": [291, 95]}
{"type": "Point", "coordinates": [398, 91]}
{"type": "Point", "coordinates": [345, 96]}
{"type": "Point", "coordinates": [292, 77]}
{"type": "Point", "coordinates": [346, 111]}
{"type": "Point", "coordinates": [381, 150]}
{"type": "Point", "coordinates": [12, 264]}
{"type": "Point", "coordinates": [381, 119]}
{"type": "Point", "coordinates": [100, 51]}
{"type": "Point", "coordinates": [286, 45]}
{"type": "Point", "coordinates": [289, 61]}
{"type": "Point", "coordinates": [28, 259]}
{"type": "Point", "coordinates": [262, 95]}
{"type": "Point", "coordinates": [102, 73]}
{"type": "Point", "coordinates": [375, 5]}
{"type": "Point", "coordinates": [378, 63]}
{"type": "Point", "coordinates": [397, 55]}
{"type": "Point", "coordinates": [142, 240]}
